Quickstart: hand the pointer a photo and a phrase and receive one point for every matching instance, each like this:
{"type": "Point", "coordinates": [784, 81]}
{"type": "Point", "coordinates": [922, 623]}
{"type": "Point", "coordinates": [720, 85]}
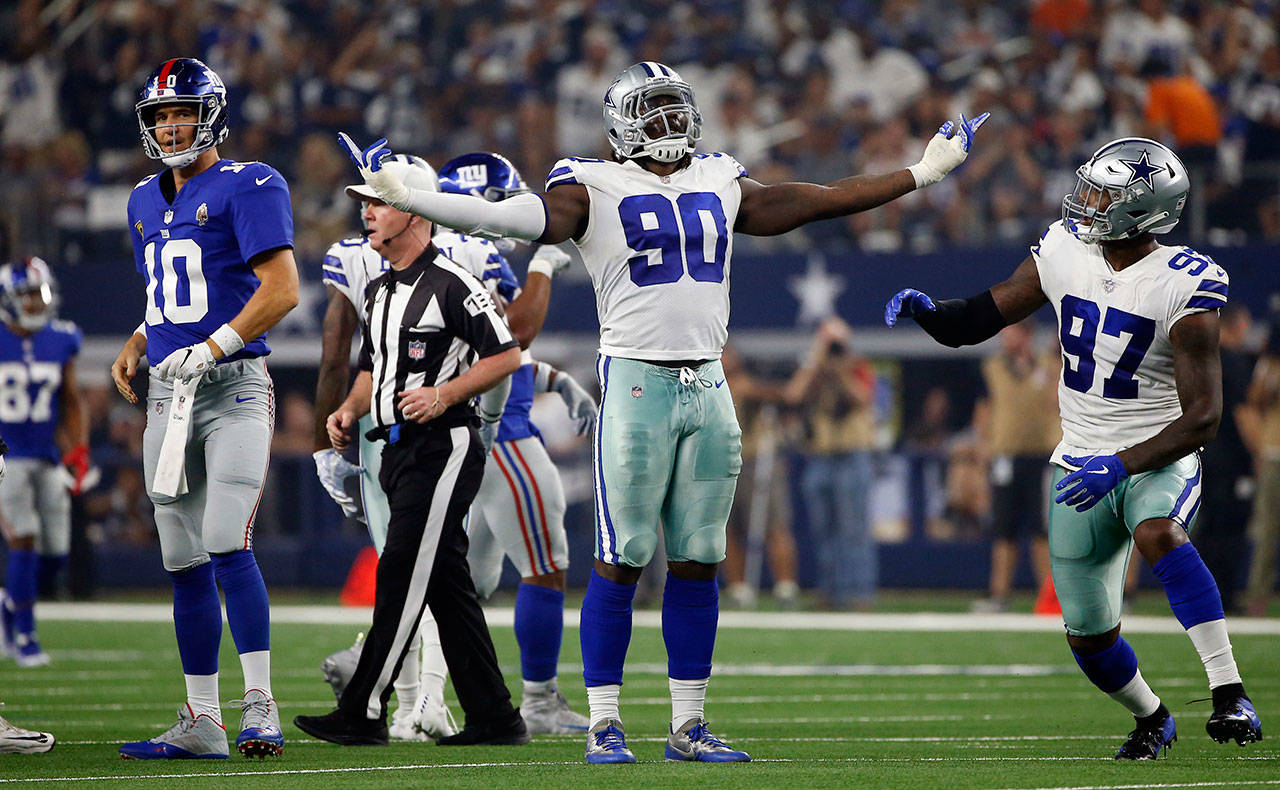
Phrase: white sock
{"type": "Point", "coordinates": [688, 698]}
{"type": "Point", "coordinates": [1214, 646]}
{"type": "Point", "coordinates": [602, 702]}
{"type": "Point", "coordinates": [407, 684]}
{"type": "Point", "coordinates": [1137, 696]}
{"type": "Point", "coordinates": [202, 695]}
{"type": "Point", "coordinates": [540, 687]}
{"type": "Point", "coordinates": [257, 671]}
{"type": "Point", "coordinates": [434, 668]}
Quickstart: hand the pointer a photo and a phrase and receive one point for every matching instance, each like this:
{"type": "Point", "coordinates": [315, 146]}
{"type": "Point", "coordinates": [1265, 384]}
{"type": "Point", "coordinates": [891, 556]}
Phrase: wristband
{"type": "Point", "coordinates": [540, 266]}
{"type": "Point", "coordinates": [227, 339]}
{"type": "Point", "coordinates": [924, 174]}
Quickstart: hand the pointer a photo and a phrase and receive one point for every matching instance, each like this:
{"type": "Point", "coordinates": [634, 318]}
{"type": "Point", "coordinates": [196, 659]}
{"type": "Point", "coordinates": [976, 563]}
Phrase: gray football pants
{"type": "Point", "coordinates": [36, 504]}
{"type": "Point", "coordinates": [228, 447]}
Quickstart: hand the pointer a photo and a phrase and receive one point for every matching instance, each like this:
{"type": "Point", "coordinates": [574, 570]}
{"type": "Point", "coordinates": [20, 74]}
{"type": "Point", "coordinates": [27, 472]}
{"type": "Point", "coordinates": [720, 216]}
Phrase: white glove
{"type": "Point", "coordinates": [488, 434]}
{"type": "Point", "coordinates": [369, 161]}
{"type": "Point", "coordinates": [946, 150]}
{"type": "Point", "coordinates": [549, 260]}
{"type": "Point", "coordinates": [187, 363]}
{"type": "Point", "coordinates": [582, 407]}
{"type": "Point", "coordinates": [333, 470]}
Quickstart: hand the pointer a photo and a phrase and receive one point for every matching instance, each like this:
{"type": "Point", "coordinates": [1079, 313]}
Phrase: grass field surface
{"type": "Point", "coordinates": [887, 701]}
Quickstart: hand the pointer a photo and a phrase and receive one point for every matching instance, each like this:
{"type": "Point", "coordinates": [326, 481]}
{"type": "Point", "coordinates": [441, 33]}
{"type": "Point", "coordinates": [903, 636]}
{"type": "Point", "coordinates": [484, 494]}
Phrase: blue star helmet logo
{"type": "Point", "coordinates": [1142, 170]}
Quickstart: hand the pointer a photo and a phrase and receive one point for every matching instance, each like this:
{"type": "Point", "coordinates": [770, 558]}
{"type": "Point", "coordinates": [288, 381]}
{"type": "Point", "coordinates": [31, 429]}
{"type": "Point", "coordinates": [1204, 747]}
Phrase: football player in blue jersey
{"type": "Point", "coordinates": [519, 511]}
{"type": "Point", "coordinates": [39, 407]}
{"type": "Point", "coordinates": [213, 239]}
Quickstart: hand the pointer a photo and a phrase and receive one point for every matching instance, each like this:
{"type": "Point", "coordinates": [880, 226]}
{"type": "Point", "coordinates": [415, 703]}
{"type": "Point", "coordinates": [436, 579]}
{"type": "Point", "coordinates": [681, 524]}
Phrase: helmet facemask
{"type": "Point", "coordinates": [1083, 211]}
{"type": "Point", "coordinates": [664, 131]}
{"type": "Point", "coordinates": [208, 109]}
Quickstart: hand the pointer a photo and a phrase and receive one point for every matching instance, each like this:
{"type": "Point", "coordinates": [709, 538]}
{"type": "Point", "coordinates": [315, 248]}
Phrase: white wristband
{"type": "Point", "coordinates": [142, 329]}
{"type": "Point", "coordinates": [924, 174]}
{"type": "Point", "coordinates": [227, 339]}
{"type": "Point", "coordinates": [541, 266]}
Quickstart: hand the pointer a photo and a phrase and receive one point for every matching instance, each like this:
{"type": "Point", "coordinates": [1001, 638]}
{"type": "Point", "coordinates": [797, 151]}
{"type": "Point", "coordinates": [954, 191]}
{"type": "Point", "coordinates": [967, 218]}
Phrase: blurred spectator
{"type": "Point", "coordinates": [1228, 462]}
{"type": "Point", "coordinates": [1264, 401]}
{"type": "Point", "coordinates": [835, 391]}
{"type": "Point", "coordinates": [1022, 430]}
{"type": "Point", "coordinates": [762, 503]}
{"type": "Point", "coordinates": [1178, 106]}
{"type": "Point", "coordinates": [294, 433]}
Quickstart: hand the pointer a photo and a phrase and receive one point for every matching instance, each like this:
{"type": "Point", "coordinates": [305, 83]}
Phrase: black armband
{"type": "Point", "coordinates": [963, 322]}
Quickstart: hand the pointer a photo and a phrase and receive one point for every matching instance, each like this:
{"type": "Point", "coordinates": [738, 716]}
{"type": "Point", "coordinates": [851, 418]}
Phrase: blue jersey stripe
{"type": "Point", "coordinates": [559, 171]}
{"type": "Point", "coordinates": [336, 277]}
{"type": "Point", "coordinates": [1206, 302]}
{"type": "Point", "coordinates": [555, 182]}
{"type": "Point", "coordinates": [1213, 286]}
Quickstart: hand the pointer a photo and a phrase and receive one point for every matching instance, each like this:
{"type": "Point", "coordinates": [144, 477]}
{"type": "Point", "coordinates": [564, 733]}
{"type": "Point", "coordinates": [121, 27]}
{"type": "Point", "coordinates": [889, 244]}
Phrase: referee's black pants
{"type": "Point", "coordinates": [431, 475]}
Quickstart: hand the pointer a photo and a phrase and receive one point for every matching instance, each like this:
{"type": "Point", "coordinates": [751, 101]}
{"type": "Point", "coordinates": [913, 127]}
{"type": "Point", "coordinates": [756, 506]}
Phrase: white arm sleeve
{"type": "Point", "coordinates": [520, 217]}
{"type": "Point", "coordinates": [494, 401]}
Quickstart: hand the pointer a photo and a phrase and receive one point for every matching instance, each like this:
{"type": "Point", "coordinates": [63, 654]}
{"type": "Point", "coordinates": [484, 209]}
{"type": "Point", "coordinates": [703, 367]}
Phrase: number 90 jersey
{"type": "Point", "coordinates": [1118, 386]}
{"type": "Point", "coordinates": [194, 251]}
{"type": "Point", "coordinates": [657, 249]}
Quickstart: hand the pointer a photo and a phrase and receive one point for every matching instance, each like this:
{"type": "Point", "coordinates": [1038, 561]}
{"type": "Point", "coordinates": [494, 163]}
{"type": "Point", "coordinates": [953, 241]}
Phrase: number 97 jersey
{"type": "Point", "coordinates": [1118, 387]}
{"type": "Point", "coordinates": [194, 250]}
{"type": "Point", "coordinates": [657, 249]}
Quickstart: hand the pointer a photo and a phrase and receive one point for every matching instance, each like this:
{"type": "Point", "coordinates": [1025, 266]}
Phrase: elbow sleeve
{"type": "Point", "coordinates": [520, 217]}
{"type": "Point", "coordinates": [963, 322]}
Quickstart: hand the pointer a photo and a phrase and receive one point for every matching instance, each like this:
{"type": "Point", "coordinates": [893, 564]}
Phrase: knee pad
{"type": "Point", "coordinates": [704, 544]}
{"type": "Point", "coordinates": [1086, 605]}
{"type": "Point", "coordinates": [638, 550]}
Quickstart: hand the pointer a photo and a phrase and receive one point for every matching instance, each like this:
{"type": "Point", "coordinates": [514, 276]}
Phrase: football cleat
{"type": "Point", "coordinates": [550, 713]}
{"type": "Point", "coordinates": [432, 718]}
{"type": "Point", "coordinates": [694, 742]}
{"type": "Point", "coordinates": [607, 743]}
{"type": "Point", "coordinates": [1236, 720]}
{"type": "Point", "coordinates": [337, 727]}
{"type": "Point", "coordinates": [260, 734]}
{"type": "Point", "coordinates": [15, 740]}
{"type": "Point", "coordinates": [339, 667]}
{"type": "Point", "coordinates": [29, 653]}
{"type": "Point", "coordinates": [401, 728]}
{"type": "Point", "coordinates": [1146, 742]}
{"type": "Point", "coordinates": [191, 738]}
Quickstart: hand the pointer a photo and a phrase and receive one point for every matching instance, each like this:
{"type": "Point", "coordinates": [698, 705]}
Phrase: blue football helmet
{"type": "Point", "coordinates": [650, 111]}
{"type": "Point", "coordinates": [28, 294]}
{"type": "Point", "coordinates": [490, 176]}
{"type": "Point", "coordinates": [183, 81]}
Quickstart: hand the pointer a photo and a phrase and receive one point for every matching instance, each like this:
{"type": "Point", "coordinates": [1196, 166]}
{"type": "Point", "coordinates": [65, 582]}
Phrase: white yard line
{"type": "Point", "coordinates": [794, 621]}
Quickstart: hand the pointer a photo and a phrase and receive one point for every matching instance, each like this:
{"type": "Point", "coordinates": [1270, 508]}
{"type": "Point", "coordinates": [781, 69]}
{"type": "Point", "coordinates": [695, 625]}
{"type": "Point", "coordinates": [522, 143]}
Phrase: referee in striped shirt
{"type": "Point", "coordinates": [433, 340]}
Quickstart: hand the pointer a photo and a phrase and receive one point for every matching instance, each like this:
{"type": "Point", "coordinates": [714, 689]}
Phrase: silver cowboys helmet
{"type": "Point", "coordinates": [650, 111]}
{"type": "Point", "coordinates": [1146, 183]}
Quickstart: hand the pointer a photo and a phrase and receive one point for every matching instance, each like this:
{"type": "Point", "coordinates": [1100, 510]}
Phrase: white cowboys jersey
{"type": "Point", "coordinates": [657, 249]}
{"type": "Point", "coordinates": [1117, 387]}
{"type": "Point", "coordinates": [351, 264]}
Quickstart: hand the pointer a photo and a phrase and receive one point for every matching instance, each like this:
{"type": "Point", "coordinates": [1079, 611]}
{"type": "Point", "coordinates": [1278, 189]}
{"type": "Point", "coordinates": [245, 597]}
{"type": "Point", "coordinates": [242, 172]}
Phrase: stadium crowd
{"type": "Point", "coordinates": [797, 89]}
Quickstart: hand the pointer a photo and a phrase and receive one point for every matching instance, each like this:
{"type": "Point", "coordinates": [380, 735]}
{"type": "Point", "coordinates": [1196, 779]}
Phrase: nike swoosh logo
{"type": "Point", "coordinates": [718, 383]}
{"type": "Point", "coordinates": [261, 181]}
{"type": "Point", "coordinates": [1097, 471]}
{"type": "Point", "coordinates": [243, 400]}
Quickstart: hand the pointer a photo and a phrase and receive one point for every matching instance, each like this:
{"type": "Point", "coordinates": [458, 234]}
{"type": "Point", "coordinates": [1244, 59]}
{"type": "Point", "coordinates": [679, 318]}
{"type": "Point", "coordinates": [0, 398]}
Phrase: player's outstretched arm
{"type": "Point", "coordinates": [966, 322]}
{"type": "Point", "coordinates": [529, 216]}
{"type": "Point", "coordinates": [778, 208]}
{"type": "Point", "coordinates": [1197, 370]}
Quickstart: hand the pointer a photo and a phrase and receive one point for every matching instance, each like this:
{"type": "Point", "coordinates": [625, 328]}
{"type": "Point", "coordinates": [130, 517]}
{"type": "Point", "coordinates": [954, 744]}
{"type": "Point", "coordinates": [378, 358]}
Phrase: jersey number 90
{"type": "Point", "coordinates": [651, 222]}
{"type": "Point", "coordinates": [179, 280]}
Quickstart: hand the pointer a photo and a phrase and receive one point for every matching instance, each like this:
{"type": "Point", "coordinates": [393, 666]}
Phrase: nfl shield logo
{"type": "Point", "coordinates": [637, 392]}
{"type": "Point", "coordinates": [1109, 285]}
{"type": "Point", "coordinates": [168, 216]}
{"type": "Point", "coordinates": [417, 349]}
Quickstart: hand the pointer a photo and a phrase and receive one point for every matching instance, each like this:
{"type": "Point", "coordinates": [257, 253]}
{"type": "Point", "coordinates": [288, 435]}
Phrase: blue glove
{"type": "Point", "coordinates": [1096, 477]}
{"type": "Point", "coordinates": [965, 129]}
{"type": "Point", "coordinates": [370, 159]}
{"type": "Point", "coordinates": [907, 303]}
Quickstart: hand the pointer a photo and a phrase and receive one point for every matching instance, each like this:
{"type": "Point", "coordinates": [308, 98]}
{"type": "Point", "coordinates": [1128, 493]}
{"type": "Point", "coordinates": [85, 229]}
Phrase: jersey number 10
{"type": "Point", "coordinates": [185, 293]}
{"type": "Point", "coordinates": [650, 222]}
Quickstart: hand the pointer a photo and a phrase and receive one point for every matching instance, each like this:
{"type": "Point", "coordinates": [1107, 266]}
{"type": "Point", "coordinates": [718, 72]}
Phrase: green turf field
{"type": "Point", "coordinates": [816, 708]}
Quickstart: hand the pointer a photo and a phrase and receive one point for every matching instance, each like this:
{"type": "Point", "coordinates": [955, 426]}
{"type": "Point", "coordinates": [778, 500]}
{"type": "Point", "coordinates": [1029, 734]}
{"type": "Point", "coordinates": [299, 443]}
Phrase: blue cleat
{"type": "Point", "coordinates": [1146, 742]}
{"type": "Point", "coordinates": [192, 738]}
{"type": "Point", "coordinates": [607, 743]}
{"type": "Point", "coordinates": [693, 742]}
{"type": "Point", "coordinates": [260, 734]}
{"type": "Point", "coordinates": [1236, 720]}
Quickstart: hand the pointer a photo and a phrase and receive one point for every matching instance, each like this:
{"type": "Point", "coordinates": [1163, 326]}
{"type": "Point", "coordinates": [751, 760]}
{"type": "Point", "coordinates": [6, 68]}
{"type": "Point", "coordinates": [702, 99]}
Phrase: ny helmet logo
{"type": "Point", "coordinates": [473, 175]}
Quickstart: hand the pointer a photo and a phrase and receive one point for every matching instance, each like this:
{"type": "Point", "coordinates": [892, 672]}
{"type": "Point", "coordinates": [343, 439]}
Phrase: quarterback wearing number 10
{"type": "Point", "coordinates": [655, 227]}
{"type": "Point", "coordinates": [213, 240]}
